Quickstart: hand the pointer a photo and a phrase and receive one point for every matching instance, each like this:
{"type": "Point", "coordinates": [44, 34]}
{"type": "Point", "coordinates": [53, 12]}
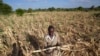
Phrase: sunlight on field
{"type": "Point", "coordinates": [81, 29]}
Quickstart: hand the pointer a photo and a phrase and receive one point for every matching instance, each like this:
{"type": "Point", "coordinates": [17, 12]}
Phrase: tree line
{"type": "Point", "coordinates": [80, 8]}
{"type": "Point", "coordinates": [7, 9]}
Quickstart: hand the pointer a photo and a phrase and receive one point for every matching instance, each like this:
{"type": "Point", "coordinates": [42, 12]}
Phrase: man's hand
{"type": "Point", "coordinates": [49, 51]}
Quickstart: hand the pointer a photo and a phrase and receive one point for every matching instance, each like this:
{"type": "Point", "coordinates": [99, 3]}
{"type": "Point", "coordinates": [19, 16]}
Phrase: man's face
{"type": "Point", "coordinates": [51, 32]}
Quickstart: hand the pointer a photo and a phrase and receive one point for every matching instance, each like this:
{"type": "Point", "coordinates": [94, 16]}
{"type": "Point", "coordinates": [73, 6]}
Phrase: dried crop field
{"type": "Point", "coordinates": [25, 33]}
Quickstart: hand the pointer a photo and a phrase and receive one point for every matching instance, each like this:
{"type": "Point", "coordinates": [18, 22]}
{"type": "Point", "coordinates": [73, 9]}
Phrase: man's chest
{"type": "Point", "coordinates": [51, 41]}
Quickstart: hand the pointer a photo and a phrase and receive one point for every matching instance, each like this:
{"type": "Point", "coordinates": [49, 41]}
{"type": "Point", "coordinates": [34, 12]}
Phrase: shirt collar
{"type": "Point", "coordinates": [51, 38]}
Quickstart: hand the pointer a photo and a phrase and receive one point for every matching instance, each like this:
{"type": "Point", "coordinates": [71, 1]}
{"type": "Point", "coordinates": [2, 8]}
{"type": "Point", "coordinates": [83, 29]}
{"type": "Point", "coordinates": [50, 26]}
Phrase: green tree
{"type": "Point", "coordinates": [80, 8]}
{"type": "Point", "coordinates": [5, 8]}
{"type": "Point", "coordinates": [1, 4]}
{"type": "Point", "coordinates": [1, 1]}
{"type": "Point", "coordinates": [98, 8]}
{"type": "Point", "coordinates": [19, 12]}
{"type": "Point", "coordinates": [92, 7]}
{"type": "Point", "coordinates": [30, 10]}
{"type": "Point", "coordinates": [51, 9]}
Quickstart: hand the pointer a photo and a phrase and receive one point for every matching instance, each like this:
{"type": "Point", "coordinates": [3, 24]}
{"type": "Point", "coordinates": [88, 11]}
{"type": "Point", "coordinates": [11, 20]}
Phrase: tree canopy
{"type": "Point", "coordinates": [19, 12]}
{"type": "Point", "coordinates": [5, 8]}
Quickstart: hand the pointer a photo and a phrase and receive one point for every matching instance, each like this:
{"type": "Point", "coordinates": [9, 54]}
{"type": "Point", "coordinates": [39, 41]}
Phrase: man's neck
{"type": "Point", "coordinates": [51, 36]}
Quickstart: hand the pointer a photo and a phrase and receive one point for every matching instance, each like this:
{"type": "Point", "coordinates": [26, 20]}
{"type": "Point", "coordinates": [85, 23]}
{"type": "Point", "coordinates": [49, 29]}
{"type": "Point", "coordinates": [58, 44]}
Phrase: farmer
{"type": "Point", "coordinates": [52, 39]}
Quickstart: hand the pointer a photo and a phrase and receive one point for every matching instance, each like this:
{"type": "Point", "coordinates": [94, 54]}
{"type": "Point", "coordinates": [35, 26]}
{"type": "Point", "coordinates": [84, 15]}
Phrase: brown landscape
{"type": "Point", "coordinates": [79, 30]}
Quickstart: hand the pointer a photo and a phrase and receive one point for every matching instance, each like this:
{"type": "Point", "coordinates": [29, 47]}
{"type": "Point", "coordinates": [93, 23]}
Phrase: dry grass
{"type": "Point", "coordinates": [80, 29]}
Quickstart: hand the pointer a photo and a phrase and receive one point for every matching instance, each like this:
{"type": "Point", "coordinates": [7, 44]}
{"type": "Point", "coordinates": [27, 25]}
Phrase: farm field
{"type": "Point", "coordinates": [25, 33]}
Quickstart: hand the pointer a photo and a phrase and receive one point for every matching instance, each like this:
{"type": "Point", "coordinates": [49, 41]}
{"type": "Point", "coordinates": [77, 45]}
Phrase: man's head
{"type": "Point", "coordinates": [51, 30]}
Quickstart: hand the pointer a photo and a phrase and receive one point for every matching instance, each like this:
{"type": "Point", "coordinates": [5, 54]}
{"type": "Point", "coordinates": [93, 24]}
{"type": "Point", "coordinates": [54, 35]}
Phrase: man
{"type": "Point", "coordinates": [51, 39]}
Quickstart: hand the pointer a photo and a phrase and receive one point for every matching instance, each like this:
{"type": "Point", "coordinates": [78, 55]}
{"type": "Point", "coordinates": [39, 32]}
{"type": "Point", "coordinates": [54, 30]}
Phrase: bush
{"type": "Point", "coordinates": [19, 12]}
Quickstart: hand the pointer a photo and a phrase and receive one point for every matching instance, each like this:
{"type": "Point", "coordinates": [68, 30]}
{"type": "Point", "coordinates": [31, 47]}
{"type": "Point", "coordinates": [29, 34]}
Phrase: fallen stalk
{"type": "Point", "coordinates": [64, 48]}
